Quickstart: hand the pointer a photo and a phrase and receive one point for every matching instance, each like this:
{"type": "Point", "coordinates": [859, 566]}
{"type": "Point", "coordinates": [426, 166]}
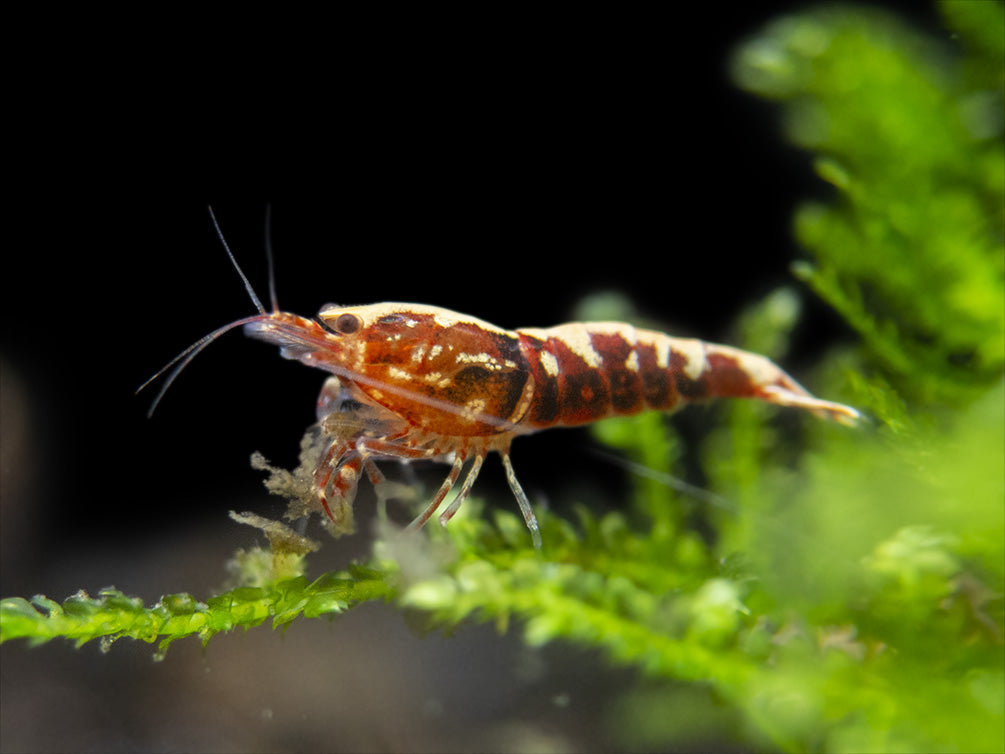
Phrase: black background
{"type": "Point", "coordinates": [501, 175]}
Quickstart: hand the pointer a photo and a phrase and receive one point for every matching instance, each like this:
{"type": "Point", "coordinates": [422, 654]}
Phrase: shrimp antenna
{"type": "Point", "coordinates": [182, 360]}
{"type": "Point", "coordinates": [247, 286]}
{"type": "Point", "coordinates": [269, 257]}
{"type": "Point", "coordinates": [668, 480]}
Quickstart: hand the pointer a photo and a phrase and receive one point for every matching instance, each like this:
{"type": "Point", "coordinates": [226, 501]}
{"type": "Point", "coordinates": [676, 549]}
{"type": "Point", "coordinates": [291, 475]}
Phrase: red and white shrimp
{"type": "Point", "coordinates": [417, 382]}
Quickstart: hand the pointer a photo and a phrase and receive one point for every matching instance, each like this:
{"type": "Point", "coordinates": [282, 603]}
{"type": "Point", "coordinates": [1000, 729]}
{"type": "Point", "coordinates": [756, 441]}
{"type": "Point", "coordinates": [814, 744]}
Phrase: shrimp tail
{"type": "Point", "coordinates": [732, 373]}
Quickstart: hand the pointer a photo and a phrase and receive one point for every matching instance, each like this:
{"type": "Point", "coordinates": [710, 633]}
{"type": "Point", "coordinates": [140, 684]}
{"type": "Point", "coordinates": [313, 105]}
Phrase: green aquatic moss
{"type": "Point", "coordinates": [113, 615]}
{"type": "Point", "coordinates": [846, 589]}
{"type": "Point", "coordinates": [908, 132]}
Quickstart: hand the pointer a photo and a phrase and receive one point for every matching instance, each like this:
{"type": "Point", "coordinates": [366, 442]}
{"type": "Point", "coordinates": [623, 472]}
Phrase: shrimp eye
{"type": "Point", "coordinates": [346, 324]}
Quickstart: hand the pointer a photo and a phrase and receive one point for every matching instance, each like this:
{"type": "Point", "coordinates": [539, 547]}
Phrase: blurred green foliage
{"type": "Point", "coordinates": [846, 591]}
{"type": "Point", "coordinates": [909, 132]}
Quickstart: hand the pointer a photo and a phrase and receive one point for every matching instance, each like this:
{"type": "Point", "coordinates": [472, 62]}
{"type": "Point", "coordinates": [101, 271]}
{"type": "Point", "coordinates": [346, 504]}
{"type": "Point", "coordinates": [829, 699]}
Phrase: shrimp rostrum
{"type": "Point", "coordinates": [413, 382]}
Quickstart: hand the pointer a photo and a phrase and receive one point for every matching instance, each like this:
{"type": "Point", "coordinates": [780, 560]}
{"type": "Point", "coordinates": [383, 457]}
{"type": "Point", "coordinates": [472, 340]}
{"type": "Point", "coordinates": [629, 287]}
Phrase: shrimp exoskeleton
{"type": "Point", "coordinates": [414, 382]}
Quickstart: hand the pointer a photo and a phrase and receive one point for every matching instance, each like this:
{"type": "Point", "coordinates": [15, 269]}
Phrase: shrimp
{"type": "Point", "coordinates": [411, 382]}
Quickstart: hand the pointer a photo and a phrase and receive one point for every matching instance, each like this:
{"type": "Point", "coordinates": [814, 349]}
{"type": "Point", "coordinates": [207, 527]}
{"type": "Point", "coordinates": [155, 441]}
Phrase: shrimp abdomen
{"type": "Point", "coordinates": [588, 371]}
